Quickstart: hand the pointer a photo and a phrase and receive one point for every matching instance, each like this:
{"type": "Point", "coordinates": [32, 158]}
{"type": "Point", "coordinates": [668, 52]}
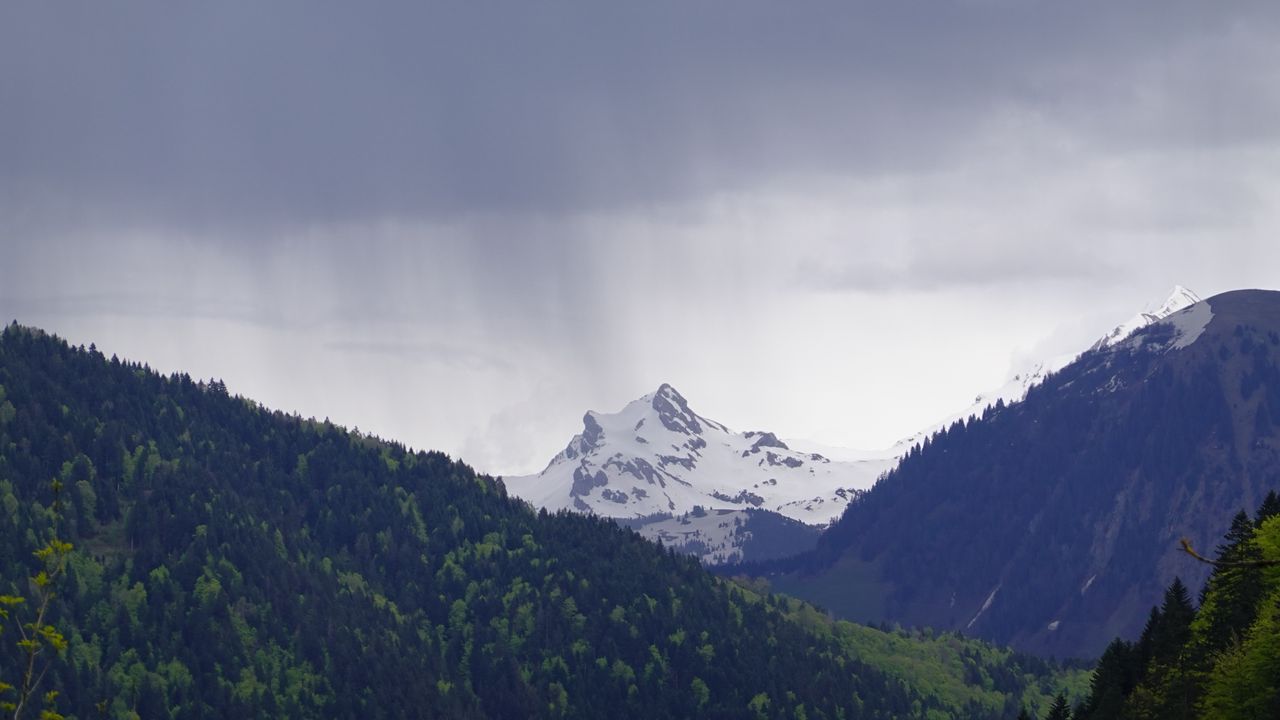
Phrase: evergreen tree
{"type": "Point", "coordinates": [1170, 679]}
{"type": "Point", "coordinates": [1174, 627]}
{"type": "Point", "coordinates": [1114, 679]}
{"type": "Point", "coordinates": [1270, 507]}
{"type": "Point", "coordinates": [1146, 641]}
{"type": "Point", "coordinates": [1059, 710]}
{"type": "Point", "coordinates": [1235, 589]}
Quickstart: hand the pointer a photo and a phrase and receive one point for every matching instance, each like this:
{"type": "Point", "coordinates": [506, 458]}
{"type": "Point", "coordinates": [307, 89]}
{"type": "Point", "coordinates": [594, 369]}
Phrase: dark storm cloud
{"type": "Point", "coordinates": [523, 210]}
{"type": "Point", "coordinates": [317, 112]}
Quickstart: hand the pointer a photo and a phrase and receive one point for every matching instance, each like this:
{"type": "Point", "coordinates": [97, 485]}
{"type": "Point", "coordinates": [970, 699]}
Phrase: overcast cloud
{"type": "Point", "coordinates": [463, 224]}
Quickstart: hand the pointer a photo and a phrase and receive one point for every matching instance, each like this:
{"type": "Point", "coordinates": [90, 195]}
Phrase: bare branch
{"type": "Point", "coordinates": [1186, 547]}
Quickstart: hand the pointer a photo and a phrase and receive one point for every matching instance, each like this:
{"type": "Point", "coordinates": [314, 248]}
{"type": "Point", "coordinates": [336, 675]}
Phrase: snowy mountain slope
{"type": "Point", "coordinates": [1180, 299]}
{"type": "Point", "coordinates": [657, 457]}
{"type": "Point", "coordinates": [1015, 389]}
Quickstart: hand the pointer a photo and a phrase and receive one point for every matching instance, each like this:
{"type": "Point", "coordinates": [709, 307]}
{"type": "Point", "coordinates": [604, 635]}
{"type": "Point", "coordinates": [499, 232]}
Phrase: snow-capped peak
{"type": "Point", "coordinates": [657, 456]}
{"type": "Point", "coordinates": [1180, 299]}
{"type": "Point", "coordinates": [674, 413]}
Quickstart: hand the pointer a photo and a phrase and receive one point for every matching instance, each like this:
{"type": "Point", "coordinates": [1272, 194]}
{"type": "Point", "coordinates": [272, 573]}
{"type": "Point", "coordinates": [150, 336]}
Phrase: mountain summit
{"type": "Point", "coordinates": [659, 458]}
{"type": "Point", "coordinates": [1180, 299]}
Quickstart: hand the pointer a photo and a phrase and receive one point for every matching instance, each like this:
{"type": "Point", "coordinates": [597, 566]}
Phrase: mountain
{"type": "Point", "coordinates": [1180, 299]}
{"type": "Point", "coordinates": [1021, 382]}
{"type": "Point", "coordinates": [1053, 523]}
{"type": "Point", "coordinates": [693, 484]}
{"type": "Point", "coordinates": [232, 561]}
{"type": "Point", "coordinates": [657, 456]}
{"type": "Point", "coordinates": [690, 481]}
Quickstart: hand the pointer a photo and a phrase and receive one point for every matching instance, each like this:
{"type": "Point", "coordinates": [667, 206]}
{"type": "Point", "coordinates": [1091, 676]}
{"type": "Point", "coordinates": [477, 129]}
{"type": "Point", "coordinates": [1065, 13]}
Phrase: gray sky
{"type": "Point", "coordinates": [461, 225]}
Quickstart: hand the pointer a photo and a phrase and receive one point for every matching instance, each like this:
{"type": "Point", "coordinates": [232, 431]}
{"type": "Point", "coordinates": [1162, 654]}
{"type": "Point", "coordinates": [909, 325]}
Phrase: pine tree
{"type": "Point", "coordinates": [1176, 614]}
{"type": "Point", "coordinates": [1167, 690]}
{"type": "Point", "coordinates": [1114, 678]}
{"type": "Point", "coordinates": [1059, 710]}
{"type": "Point", "coordinates": [1146, 641]}
{"type": "Point", "coordinates": [1236, 590]}
{"type": "Point", "coordinates": [1270, 507]}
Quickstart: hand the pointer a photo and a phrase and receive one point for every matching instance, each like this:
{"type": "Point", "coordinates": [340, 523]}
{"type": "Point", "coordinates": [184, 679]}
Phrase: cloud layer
{"type": "Point", "coordinates": [462, 224]}
{"type": "Point", "coordinates": [311, 112]}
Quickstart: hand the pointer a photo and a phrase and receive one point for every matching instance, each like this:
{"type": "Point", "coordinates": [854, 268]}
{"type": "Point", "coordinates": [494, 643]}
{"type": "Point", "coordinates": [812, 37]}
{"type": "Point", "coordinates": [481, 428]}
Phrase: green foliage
{"type": "Point", "coordinates": [38, 639]}
{"type": "Point", "coordinates": [1059, 710]}
{"type": "Point", "coordinates": [236, 562]}
{"type": "Point", "coordinates": [971, 677]}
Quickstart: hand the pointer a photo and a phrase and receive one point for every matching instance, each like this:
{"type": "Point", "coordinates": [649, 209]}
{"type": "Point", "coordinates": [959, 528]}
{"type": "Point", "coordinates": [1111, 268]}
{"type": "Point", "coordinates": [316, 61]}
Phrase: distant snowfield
{"type": "Point", "coordinates": [836, 452]}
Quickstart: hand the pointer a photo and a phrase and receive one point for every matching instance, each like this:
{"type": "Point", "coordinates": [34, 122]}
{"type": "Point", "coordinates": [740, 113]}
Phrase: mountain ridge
{"type": "Point", "coordinates": [1053, 523]}
{"type": "Point", "coordinates": [1021, 382]}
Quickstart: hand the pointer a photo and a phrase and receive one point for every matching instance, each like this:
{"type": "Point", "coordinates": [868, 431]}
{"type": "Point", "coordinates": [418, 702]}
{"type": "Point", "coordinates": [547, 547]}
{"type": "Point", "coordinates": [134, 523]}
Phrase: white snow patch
{"type": "Point", "coordinates": [1190, 324]}
{"type": "Point", "coordinates": [1180, 299]}
{"type": "Point", "coordinates": [986, 604]}
{"type": "Point", "coordinates": [1085, 588]}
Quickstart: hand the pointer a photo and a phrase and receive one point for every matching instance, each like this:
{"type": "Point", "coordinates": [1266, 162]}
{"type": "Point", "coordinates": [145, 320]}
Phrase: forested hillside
{"type": "Point", "coordinates": [236, 562]}
{"type": "Point", "coordinates": [1053, 524]}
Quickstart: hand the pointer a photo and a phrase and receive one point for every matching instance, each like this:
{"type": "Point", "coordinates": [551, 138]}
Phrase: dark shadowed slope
{"type": "Point", "coordinates": [1052, 524]}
